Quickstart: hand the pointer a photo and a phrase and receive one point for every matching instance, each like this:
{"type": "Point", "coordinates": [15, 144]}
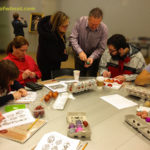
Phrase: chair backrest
{"type": "Point", "coordinates": [62, 72]}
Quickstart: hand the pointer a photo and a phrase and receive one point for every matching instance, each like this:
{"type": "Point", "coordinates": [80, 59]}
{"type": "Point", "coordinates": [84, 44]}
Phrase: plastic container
{"type": "Point", "coordinates": [37, 109]}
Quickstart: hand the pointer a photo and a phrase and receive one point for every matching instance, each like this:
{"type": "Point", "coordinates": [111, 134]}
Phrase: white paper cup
{"type": "Point", "coordinates": [100, 82]}
{"type": "Point", "coordinates": [76, 74]}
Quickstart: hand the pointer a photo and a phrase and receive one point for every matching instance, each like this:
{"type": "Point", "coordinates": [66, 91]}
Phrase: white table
{"type": "Point", "coordinates": [109, 131]}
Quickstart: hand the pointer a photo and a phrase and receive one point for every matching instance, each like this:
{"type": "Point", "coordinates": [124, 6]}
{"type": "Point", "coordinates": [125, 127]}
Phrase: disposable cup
{"type": "Point", "coordinates": [76, 74]}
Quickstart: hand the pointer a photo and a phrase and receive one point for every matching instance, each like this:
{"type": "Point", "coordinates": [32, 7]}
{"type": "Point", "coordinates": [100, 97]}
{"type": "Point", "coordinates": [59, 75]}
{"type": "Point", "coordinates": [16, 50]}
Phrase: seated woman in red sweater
{"type": "Point", "coordinates": [28, 69]}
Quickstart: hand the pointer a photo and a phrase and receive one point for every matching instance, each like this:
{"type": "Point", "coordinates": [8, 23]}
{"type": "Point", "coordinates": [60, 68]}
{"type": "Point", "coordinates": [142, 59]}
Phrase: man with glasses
{"type": "Point", "coordinates": [88, 40]}
{"type": "Point", "coordinates": [121, 60]}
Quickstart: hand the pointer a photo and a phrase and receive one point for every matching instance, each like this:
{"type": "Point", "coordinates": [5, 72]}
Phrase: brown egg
{"type": "Point", "coordinates": [139, 113]}
{"type": "Point", "coordinates": [144, 116]}
{"type": "Point", "coordinates": [55, 94]}
{"type": "Point", "coordinates": [47, 98]}
{"type": "Point", "coordinates": [107, 80]}
{"type": "Point", "coordinates": [144, 112]}
{"type": "Point", "coordinates": [50, 94]}
{"type": "Point", "coordinates": [112, 80]}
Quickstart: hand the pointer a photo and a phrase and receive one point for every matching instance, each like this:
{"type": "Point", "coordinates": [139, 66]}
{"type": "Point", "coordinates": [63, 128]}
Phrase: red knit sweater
{"type": "Point", "coordinates": [27, 63]}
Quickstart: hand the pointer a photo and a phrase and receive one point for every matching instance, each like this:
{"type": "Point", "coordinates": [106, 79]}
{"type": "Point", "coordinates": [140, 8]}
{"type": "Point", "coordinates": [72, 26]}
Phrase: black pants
{"type": "Point", "coordinates": [46, 70]}
{"type": "Point", "coordinates": [90, 71]}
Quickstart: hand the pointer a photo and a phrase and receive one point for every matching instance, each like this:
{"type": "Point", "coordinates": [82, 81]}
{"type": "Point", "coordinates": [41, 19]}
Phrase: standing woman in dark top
{"type": "Point", "coordinates": [9, 72]}
{"type": "Point", "coordinates": [51, 49]}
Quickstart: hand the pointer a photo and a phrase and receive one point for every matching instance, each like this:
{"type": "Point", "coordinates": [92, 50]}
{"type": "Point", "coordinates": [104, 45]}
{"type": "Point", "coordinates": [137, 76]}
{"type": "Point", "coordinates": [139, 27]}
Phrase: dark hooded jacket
{"type": "Point", "coordinates": [51, 46]}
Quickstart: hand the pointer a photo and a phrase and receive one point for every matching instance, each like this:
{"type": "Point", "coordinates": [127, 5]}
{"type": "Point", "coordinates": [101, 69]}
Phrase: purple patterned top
{"type": "Point", "coordinates": [147, 68]}
{"type": "Point", "coordinates": [93, 43]}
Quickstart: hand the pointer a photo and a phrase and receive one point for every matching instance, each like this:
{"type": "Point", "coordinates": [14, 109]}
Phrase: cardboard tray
{"type": "Point", "coordinates": [112, 83]}
{"type": "Point", "coordinates": [139, 124]}
{"type": "Point", "coordinates": [72, 117]}
{"type": "Point", "coordinates": [81, 86]}
{"type": "Point", "coordinates": [138, 91]}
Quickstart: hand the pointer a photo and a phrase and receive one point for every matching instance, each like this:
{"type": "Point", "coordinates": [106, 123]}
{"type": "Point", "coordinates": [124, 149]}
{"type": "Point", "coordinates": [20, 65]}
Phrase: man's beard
{"type": "Point", "coordinates": [115, 57]}
{"type": "Point", "coordinates": [118, 57]}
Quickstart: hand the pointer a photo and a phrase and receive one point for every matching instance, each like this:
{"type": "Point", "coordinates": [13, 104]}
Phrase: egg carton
{"type": "Point", "coordinates": [112, 83]}
{"type": "Point", "coordinates": [138, 91]}
{"type": "Point", "coordinates": [139, 124]}
{"type": "Point", "coordinates": [143, 108]}
{"type": "Point", "coordinates": [72, 117]}
{"type": "Point", "coordinates": [80, 86]}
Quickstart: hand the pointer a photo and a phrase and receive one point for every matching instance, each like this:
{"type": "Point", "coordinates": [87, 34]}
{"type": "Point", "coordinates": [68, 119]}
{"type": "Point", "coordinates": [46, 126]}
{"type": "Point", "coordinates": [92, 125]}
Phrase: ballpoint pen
{"type": "Point", "coordinates": [32, 124]}
{"type": "Point", "coordinates": [84, 146]}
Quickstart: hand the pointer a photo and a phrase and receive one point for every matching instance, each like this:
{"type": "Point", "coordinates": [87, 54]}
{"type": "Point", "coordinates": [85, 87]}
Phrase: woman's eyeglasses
{"type": "Point", "coordinates": [65, 26]}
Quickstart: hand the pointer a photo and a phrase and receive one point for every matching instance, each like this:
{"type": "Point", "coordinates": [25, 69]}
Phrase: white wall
{"type": "Point", "coordinates": [4, 27]}
{"type": "Point", "coordinates": [128, 17]}
{"type": "Point", "coordinates": [46, 7]}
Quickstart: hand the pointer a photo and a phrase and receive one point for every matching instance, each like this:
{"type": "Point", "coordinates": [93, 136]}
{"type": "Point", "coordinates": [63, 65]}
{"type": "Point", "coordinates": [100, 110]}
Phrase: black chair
{"type": "Point", "coordinates": [62, 72]}
{"type": "Point", "coordinates": [144, 43]}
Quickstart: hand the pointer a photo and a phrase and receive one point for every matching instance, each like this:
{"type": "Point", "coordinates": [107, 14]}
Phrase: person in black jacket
{"type": "Point", "coordinates": [52, 49]}
{"type": "Point", "coordinates": [9, 72]}
{"type": "Point", "coordinates": [18, 24]}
